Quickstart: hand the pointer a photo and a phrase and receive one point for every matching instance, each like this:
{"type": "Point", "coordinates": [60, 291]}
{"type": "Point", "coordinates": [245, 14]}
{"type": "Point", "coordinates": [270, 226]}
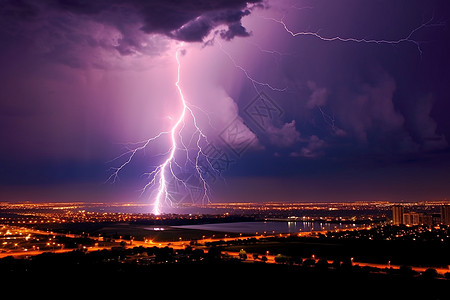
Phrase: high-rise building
{"type": "Point", "coordinates": [445, 214]}
{"type": "Point", "coordinates": [397, 214]}
{"type": "Point", "coordinates": [427, 219]}
{"type": "Point", "coordinates": [412, 218]}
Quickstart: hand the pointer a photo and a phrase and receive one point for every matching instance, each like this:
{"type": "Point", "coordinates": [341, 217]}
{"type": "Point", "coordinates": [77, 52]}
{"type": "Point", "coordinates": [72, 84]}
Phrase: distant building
{"type": "Point", "coordinates": [399, 217]}
{"type": "Point", "coordinates": [436, 219]}
{"type": "Point", "coordinates": [445, 214]}
{"type": "Point", "coordinates": [427, 219]}
{"type": "Point", "coordinates": [412, 218]}
{"type": "Point", "coordinates": [397, 214]}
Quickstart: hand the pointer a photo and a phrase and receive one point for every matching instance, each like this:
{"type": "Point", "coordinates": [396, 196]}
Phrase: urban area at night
{"type": "Point", "coordinates": [225, 148]}
{"type": "Point", "coordinates": [370, 238]}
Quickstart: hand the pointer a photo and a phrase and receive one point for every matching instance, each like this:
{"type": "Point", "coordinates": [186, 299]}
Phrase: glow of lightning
{"type": "Point", "coordinates": [159, 176]}
{"type": "Point", "coordinates": [162, 189]}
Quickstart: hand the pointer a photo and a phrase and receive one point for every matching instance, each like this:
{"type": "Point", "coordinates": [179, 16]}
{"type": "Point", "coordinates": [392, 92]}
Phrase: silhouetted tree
{"type": "Point", "coordinates": [281, 259]}
{"type": "Point", "coordinates": [165, 255]}
{"type": "Point", "coordinates": [407, 271]}
{"type": "Point", "coordinates": [197, 254]}
{"type": "Point", "coordinates": [447, 275]}
{"type": "Point", "coordinates": [214, 253]}
{"type": "Point", "coordinates": [322, 264]}
{"type": "Point", "coordinates": [346, 264]}
{"type": "Point", "coordinates": [309, 262]}
{"type": "Point", "coordinates": [430, 273]}
{"type": "Point", "coordinates": [242, 254]}
{"type": "Point", "coordinates": [336, 264]}
{"type": "Point", "coordinates": [297, 260]}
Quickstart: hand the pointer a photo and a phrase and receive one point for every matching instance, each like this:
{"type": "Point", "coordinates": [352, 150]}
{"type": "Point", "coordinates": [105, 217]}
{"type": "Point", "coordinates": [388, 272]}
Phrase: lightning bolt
{"type": "Point", "coordinates": [254, 82]}
{"type": "Point", "coordinates": [161, 174]}
{"type": "Point", "coordinates": [407, 39]}
{"type": "Point", "coordinates": [162, 189]}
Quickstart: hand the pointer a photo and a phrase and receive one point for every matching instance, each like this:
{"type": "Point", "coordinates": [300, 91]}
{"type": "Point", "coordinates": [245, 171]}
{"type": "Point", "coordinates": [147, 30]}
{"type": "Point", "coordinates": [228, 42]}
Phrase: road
{"type": "Point", "coordinates": [18, 254]}
{"type": "Point", "coordinates": [182, 244]}
{"type": "Point", "coordinates": [441, 271]}
{"type": "Point", "coordinates": [271, 259]}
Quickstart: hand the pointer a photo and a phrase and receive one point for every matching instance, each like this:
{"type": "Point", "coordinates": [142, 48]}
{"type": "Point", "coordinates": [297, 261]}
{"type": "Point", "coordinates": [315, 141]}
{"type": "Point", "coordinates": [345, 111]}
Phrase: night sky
{"type": "Point", "coordinates": [327, 100]}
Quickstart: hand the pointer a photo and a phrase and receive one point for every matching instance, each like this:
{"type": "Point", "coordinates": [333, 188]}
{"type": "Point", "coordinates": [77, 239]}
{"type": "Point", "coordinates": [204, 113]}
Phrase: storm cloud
{"type": "Point", "coordinates": [83, 80]}
{"type": "Point", "coordinates": [61, 29]}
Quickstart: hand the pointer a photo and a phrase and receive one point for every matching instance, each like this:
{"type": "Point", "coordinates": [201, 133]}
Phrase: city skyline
{"type": "Point", "coordinates": [334, 241]}
{"type": "Point", "coordinates": [264, 101]}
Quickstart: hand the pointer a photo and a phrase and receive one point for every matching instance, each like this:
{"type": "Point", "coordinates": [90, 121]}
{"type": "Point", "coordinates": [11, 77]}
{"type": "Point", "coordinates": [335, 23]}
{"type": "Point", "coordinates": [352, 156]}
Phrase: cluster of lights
{"type": "Point", "coordinates": [22, 239]}
{"type": "Point", "coordinates": [387, 232]}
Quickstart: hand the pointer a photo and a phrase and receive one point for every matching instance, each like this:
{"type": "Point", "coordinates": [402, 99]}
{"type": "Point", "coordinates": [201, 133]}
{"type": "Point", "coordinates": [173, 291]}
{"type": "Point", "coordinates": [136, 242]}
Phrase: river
{"type": "Point", "coordinates": [268, 227]}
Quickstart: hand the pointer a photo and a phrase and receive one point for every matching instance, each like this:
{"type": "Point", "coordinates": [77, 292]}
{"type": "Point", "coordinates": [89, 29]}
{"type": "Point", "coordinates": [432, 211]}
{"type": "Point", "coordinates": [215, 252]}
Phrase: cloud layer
{"type": "Point", "coordinates": [68, 30]}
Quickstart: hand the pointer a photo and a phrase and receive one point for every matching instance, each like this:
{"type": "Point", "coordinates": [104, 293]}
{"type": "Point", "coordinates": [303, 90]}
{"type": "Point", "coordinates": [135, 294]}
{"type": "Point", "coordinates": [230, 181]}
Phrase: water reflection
{"type": "Point", "coordinates": [268, 227]}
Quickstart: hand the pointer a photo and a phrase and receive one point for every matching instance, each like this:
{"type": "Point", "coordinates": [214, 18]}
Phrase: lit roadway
{"type": "Point", "coordinates": [182, 244]}
{"type": "Point", "coordinates": [25, 253]}
{"type": "Point", "coordinates": [270, 257]}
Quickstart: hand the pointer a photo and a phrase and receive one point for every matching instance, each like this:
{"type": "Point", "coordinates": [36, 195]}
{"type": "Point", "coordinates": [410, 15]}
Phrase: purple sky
{"type": "Point", "coordinates": [362, 117]}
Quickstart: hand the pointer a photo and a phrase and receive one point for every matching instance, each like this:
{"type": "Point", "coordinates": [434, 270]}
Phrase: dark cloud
{"type": "Point", "coordinates": [234, 30]}
{"type": "Point", "coordinates": [194, 20]}
{"type": "Point", "coordinates": [179, 19]}
{"type": "Point", "coordinates": [78, 32]}
{"type": "Point", "coordinates": [370, 109]}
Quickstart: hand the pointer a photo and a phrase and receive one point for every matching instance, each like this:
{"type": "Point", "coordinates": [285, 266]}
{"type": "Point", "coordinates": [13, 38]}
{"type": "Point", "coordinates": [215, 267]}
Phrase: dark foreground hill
{"type": "Point", "coordinates": [97, 275]}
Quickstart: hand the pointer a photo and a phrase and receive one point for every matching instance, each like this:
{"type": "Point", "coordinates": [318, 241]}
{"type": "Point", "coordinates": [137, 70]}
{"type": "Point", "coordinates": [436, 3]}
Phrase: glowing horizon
{"type": "Point", "coordinates": [220, 101]}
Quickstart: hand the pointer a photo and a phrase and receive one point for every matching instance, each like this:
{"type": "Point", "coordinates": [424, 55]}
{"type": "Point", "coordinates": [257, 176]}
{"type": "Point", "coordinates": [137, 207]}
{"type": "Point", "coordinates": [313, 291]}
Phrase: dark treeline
{"type": "Point", "coordinates": [196, 271]}
{"type": "Point", "coordinates": [397, 245]}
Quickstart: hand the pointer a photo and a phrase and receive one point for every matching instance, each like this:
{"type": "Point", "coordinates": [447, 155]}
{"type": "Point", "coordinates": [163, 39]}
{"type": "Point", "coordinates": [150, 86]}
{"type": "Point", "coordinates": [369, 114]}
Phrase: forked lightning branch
{"type": "Point", "coordinates": [169, 170]}
{"type": "Point", "coordinates": [199, 160]}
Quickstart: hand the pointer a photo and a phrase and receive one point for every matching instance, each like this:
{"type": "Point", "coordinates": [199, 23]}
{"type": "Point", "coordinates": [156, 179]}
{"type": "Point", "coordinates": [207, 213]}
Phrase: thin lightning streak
{"type": "Point", "coordinates": [269, 51]}
{"type": "Point", "coordinates": [115, 175]}
{"type": "Point", "coordinates": [252, 80]}
{"type": "Point", "coordinates": [408, 38]}
{"type": "Point", "coordinates": [330, 120]}
{"type": "Point", "coordinates": [255, 83]}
